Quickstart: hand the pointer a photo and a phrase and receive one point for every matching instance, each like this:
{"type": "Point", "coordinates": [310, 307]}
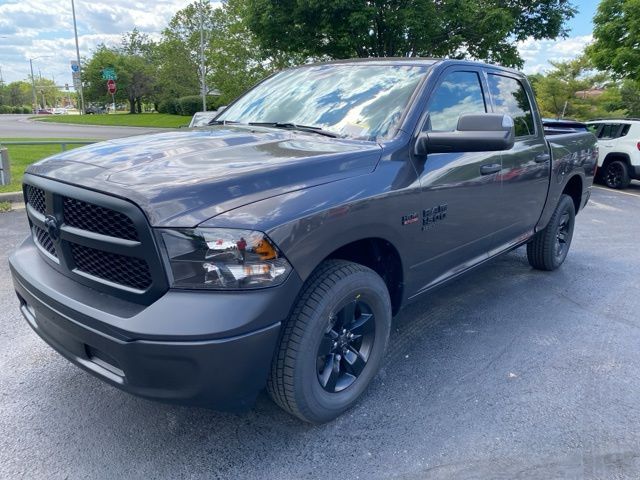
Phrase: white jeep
{"type": "Point", "coordinates": [619, 145]}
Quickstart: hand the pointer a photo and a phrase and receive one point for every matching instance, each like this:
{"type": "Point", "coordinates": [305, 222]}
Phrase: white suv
{"type": "Point", "coordinates": [619, 144]}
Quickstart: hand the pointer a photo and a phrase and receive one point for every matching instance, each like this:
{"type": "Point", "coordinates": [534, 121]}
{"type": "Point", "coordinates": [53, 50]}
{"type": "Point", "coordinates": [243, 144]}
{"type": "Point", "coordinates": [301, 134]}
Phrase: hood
{"type": "Point", "coordinates": [182, 178]}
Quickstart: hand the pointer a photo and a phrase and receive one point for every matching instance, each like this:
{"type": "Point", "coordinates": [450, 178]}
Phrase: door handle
{"type": "Point", "coordinates": [489, 169]}
{"type": "Point", "coordinates": [542, 158]}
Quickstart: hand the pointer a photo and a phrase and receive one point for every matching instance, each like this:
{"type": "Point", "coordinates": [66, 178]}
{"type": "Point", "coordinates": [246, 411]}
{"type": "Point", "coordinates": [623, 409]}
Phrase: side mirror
{"type": "Point", "coordinates": [221, 109]}
{"type": "Point", "coordinates": [486, 132]}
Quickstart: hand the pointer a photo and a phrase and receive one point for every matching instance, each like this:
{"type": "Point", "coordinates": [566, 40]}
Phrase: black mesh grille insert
{"type": "Point", "coordinates": [98, 219]}
{"type": "Point", "coordinates": [44, 240]}
{"type": "Point", "coordinates": [128, 271]}
{"type": "Point", "coordinates": [35, 198]}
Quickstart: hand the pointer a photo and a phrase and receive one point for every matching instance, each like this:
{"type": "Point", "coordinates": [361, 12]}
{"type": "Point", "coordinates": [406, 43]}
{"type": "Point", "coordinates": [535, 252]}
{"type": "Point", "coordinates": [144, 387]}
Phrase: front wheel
{"type": "Point", "coordinates": [333, 343]}
{"type": "Point", "coordinates": [549, 247]}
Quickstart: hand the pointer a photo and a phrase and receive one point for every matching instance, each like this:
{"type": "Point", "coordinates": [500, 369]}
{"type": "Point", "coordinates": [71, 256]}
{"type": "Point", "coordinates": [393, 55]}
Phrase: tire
{"type": "Point", "coordinates": [616, 175]}
{"type": "Point", "coordinates": [316, 375]}
{"type": "Point", "coordinates": [549, 247]}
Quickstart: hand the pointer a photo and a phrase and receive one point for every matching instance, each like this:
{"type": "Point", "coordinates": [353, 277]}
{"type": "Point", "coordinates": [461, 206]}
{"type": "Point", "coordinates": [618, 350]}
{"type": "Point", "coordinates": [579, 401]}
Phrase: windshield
{"type": "Point", "coordinates": [362, 102]}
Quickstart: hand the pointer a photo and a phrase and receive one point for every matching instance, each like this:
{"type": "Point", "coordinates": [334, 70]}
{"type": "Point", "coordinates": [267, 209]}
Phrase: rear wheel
{"type": "Point", "coordinates": [616, 175]}
{"type": "Point", "coordinates": [333, 343]}
{"type": "Point", "coordinates": [549, 247]}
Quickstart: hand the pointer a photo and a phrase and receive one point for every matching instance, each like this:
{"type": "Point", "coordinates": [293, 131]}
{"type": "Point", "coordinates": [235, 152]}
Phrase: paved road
{"type": "Point", "coordinates": [507, 373]}
{"type": "Point", "coordinates": [19, 126]}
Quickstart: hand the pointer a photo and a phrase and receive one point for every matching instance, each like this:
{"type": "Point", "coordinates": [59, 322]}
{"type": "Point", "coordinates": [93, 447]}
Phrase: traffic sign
{"type": "Point", "coordinates": [111, 86]}
{"type": "Point", "coordinates": [109, 74]}
{"type": "Point", "coordinates": [75, 66]}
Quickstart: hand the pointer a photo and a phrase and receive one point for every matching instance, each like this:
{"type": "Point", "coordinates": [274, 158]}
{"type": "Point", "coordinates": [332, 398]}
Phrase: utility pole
{"type": "Point", "coordinates": [203, 86]}
{"type": "Point", "coordinates": [33, 87]}
{"type": "Point", "coordinates": [75, 32]}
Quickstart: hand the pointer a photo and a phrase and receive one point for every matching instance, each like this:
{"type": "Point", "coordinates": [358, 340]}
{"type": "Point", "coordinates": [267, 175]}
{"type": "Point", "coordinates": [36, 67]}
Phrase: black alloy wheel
{"type": "Point", "coordinates": [616, 175]}
{"type": "Point", "coordinates": [346, 346]}
{"type": "Point", "coordinates": [333, 343]}
{"type": "Point", "coordinates": [548, 249]}
{"type": "Point", "coordinates": [563, 236]}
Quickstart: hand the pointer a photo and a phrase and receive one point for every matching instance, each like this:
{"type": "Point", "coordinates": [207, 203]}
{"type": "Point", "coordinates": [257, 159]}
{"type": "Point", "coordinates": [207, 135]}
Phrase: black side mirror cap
{"type": "Point", "coordinates": [488, 132]}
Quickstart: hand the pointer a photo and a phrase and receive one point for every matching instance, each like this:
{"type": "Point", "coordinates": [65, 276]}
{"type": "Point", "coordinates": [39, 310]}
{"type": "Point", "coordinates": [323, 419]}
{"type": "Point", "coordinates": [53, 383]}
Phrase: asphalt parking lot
{"type": "Point", "coordinates": [506, 373]}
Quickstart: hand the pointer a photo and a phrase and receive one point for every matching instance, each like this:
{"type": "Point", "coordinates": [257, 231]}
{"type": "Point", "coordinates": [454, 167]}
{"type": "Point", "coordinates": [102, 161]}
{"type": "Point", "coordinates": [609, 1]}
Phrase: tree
{"type": "Point", "coordinates": [617, 38]}
{"type": "Point", "coordinates": [573, 89]}
{"type": "Point", "coordinates": [182, 42]}
{"type": "Point", "coordinates": [47, 92]}
{"type": "Point", "coordinates": [134, 64]}
{"type": "Point", "coordinates": [630, 96]}
{"type": "Point", "coordinates": [238, 60]}
{"type": "Point", "coordinates": [234, 60]}
{"type": "Point", "coordinates": [483, 29]}
{"type": "Point", "coordinates": [18, 94]}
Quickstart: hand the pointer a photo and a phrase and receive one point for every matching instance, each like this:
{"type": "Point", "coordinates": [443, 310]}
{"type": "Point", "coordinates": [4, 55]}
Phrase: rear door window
{"type": "Point", "coordinates": [510, 97]}
{"type": "Point", "coordinates": [609, 131]}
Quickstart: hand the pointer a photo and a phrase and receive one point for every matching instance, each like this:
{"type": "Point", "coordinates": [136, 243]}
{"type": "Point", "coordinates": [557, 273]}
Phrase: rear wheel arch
{"type": "Point", "coordinates": [616, 156]}
{"type": "Point", "coordinates": [574, 188]}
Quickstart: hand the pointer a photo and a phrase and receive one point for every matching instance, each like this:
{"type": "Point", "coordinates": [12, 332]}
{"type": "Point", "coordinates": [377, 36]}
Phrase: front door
{"type": "Point", "coordinates": [460, 200]}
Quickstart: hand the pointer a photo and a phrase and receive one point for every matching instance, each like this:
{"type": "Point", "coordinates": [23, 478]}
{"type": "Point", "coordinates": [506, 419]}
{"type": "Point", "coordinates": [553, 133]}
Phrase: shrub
{"type": "Point", "coordinates": [27, 110]}
{"type": "Point", "coordinates": [193, 103]}
{"type": "Point", "coordinates": [189, 105]}
{"type": "Point", "coordinates": [5, 109]}
{"type": "Point", "coordinates": [16, 110]}
{"type": "Point", "coordinates": [168, 106]}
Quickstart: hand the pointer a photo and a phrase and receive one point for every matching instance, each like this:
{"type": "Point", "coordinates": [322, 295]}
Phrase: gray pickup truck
{"type": "Point", "coordinates": [273, 248]}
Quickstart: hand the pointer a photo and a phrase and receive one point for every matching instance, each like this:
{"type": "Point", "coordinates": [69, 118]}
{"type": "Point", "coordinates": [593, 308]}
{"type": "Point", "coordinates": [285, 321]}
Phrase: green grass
{"type": "Point", "coordinates": [162, 120]}
{"type": "Point", "coordinates": [21, 156]}
{"type": "Point", "coordinates": [5, 207]}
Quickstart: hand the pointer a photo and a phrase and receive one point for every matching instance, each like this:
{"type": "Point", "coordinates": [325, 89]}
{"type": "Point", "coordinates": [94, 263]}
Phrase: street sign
{"type": "Point", "coordinates": [77, 83]}
{"type": "Point", "coordinates": [111, 86]}
{"type": "Point", "coordinates": [109, 74]}
{"type": "Point", "coordinates": [75, 75]}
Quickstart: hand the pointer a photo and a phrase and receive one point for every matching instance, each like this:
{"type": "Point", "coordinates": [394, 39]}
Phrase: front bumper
{"type": "Point", "coordinates": [211, 349]}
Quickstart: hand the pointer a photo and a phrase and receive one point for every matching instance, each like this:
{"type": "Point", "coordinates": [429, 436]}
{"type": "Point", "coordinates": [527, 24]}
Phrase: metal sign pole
{"type": "Point", "coordinates": [75, 31]}
{"type": "Point", "coordinates": [5, 171]}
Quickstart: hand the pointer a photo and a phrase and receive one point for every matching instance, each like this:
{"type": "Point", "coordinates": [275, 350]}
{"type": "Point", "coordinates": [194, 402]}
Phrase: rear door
{"type": "Point", "coordinates": [459, 205]}
{"type": "Point", "coordinates": [526, 167]}
{"type": "Point", "coordinates": [607, 136]}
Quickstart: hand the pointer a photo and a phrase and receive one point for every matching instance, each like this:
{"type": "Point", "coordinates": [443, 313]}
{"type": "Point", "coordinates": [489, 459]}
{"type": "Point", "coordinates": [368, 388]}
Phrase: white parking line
{"type": "Point", "coordinates": [637, 195]}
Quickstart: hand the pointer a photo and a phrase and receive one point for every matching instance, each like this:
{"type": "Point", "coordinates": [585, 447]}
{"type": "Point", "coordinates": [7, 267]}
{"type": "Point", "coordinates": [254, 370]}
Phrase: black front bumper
{"type": "Point", "coordinates": [210, 349]}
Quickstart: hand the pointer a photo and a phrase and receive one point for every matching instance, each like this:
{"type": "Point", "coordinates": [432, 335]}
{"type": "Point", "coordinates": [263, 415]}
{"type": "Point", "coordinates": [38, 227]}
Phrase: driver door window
{"type": "Point", "coordinates": [459, 93]}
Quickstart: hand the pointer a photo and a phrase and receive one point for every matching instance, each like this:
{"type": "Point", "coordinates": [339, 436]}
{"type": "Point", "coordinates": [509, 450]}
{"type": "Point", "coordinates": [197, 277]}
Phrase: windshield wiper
{"type": "Point", "coordinates": [295, 126]}
{"type": "Point", "coordinates": [222, 122]}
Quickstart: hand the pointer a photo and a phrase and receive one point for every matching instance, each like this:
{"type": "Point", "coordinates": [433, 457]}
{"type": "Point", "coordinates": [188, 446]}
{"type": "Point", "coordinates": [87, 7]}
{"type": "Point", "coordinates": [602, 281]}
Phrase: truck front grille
{"type": "Point", "coordinates": [44, 240]}
{"type": "Point", "coordinates": [129, 271]}
{"type": "Point", "coordinates": [35, 198]}
{"type": "Point", "coordinates": [95, 218]}
{"type": "Point", "coordinates": [99, 240]}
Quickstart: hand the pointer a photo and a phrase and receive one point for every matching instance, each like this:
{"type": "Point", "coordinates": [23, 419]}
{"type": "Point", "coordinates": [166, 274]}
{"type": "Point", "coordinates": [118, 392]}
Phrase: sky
{"type": "Point", "coordinates": [43, 31]}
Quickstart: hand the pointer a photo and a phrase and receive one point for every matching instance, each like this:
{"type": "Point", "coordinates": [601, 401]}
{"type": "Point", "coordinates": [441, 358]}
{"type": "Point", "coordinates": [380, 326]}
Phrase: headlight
{"type": "Point", "coordinates": [223, 259]}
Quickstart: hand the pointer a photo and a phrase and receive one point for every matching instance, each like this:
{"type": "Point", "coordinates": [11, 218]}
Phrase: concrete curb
{"type": "Point", "coordinates": [13, 197]}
